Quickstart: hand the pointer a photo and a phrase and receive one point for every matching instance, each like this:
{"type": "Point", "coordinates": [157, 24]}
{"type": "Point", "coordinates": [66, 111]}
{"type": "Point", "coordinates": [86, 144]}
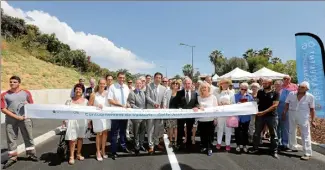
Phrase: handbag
{"type": "Point", "coordinates": [232, 122]}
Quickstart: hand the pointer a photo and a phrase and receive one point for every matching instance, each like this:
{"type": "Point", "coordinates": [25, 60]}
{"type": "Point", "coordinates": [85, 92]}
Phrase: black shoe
{"type": "Point", "coordinates": [9, 163]}
{"type": "Point", "coordinates": [114, 156]}
{"type": "Point", "coordinates": [137, 152]}
{"type": "Point", "coordinates": [126, 150]}
{"type": "Point", "coordinates": [33, 158]}
{"type": "Point", "coordinates": [253, 151]}
{"type": "Point", "coordinates": [275, 155]}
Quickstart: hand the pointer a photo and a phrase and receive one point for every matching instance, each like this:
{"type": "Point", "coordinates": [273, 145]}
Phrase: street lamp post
{"type": "Point", "coordinates": [192, 46]}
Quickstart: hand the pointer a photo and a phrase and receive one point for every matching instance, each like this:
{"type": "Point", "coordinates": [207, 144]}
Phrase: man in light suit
{"type": "Point", "coordinates": [137, 100]}
{"type": "Point", "coordinates": [155, 99]}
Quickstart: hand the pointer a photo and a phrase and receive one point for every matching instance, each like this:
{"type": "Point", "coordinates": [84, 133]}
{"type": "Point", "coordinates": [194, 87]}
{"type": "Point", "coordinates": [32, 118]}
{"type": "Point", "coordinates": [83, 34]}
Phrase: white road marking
{"type": "Point", "coordinates": [171, 156]}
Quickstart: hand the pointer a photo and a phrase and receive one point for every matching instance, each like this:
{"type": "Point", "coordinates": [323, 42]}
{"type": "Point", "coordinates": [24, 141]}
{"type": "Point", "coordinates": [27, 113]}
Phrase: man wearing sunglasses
{"type": "Point", "coordinates": [12, 105]}
{"type": "Point", "coordinates": [288, 85]}
{"type": "Point", "coordinates": [301, 107]}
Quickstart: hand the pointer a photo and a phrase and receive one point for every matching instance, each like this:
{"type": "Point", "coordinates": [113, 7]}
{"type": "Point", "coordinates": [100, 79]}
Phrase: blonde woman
{"type": "Point", "coordinates": [206, 125]}
{"type": "Point", "coordinates": [76, 129]}
{"type": "Point", "coordinates": [100, 126]}
{"type": "Point", "coordinates": [171, 124]}
{"type": "Point", "coordinates": [225, 97]}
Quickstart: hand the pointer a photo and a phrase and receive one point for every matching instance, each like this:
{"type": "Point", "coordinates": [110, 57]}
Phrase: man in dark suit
{"type": "Point", "coordinates": [185, 99]}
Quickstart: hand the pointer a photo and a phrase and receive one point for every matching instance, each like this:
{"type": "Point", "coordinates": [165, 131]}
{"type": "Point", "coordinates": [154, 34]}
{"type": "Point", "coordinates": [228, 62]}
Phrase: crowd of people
{"type": "Point", "coordinates": [282, 106]}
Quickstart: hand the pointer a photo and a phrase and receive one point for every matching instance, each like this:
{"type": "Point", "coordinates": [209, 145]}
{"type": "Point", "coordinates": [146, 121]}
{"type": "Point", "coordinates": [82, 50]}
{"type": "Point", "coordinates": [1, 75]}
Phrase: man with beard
{"type": "Point", "coordinates": [267, 100]}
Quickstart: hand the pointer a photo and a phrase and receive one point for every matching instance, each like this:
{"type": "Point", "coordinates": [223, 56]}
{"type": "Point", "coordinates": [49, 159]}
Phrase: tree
{"type": "Point", "coordinates": [177, 76]}
{"type": "Point", "coordinates": [218, 61]}
{"type": "Point", "coordinates": [187, 70]}
{"type": "Point", "coordinates": [290, 69]}
{"type": "Point", "coordinates": [196, 76]}
{"type": "Point", "coordinates": [275, 60]}
{"type": "Point", "coordinates": [266, 52]}
{"type": "Point", "coordinates": [233, 63]}
{"type": "Point", "coordinates": [256, 62]}
{"type": "Point", "coordinates": [128, 75]}
{"type": "Point", "coordinates": [249, 53]}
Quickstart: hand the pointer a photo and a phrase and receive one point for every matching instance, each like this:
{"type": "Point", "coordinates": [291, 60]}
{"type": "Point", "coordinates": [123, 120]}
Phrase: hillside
{"type": "Point", "coordinates": [35, 73]}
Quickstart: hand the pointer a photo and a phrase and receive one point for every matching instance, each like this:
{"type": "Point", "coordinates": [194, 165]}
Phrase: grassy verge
{"type": "Point", "coordinates": [35, 73]}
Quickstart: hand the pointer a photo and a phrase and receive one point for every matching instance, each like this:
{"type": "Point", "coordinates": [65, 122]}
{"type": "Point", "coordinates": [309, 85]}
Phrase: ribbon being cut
{"type": "Point", "coordinates": [49, 111]}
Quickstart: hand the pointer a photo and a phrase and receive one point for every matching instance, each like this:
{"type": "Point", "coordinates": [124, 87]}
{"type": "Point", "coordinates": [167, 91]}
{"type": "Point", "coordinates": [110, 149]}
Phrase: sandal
{"type": "Point", "coordinates": [80, 158]}
{"type": "Point", "coordinates": [71, 161]}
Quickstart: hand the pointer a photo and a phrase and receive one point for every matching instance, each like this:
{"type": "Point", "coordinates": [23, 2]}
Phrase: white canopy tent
{"type": "Point", "coordinates": [215, 78]}
{"type": "Point", "coordinates": [238, 74]}
{"type": "Point", "coordinates": [267, 73]}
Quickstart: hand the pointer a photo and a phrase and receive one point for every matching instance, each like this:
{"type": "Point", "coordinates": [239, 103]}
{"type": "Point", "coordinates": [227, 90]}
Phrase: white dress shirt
{"type": "Point", "coordinates": [114, 93]}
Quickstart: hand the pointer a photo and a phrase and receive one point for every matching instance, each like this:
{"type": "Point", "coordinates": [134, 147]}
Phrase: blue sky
{"type": "Point", "coordinates": [153, 30]}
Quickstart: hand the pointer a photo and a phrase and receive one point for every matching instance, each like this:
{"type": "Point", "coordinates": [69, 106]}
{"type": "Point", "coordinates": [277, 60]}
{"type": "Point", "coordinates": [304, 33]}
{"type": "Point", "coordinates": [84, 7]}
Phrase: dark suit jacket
{"type": "Point", "coordinates": [180, 100]}
{"type": "Point", "coordinates": [88, 92]}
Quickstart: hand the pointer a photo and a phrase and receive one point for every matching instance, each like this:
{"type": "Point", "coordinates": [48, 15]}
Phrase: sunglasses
{"type": "Point", "coordinates": [130, 82]}
{"type": "Point", "coordinates": [285, 78]}
{"type": "Point", "coordinates": [244, 89]}
{"type": "Point", "coordinates": [165, 81]}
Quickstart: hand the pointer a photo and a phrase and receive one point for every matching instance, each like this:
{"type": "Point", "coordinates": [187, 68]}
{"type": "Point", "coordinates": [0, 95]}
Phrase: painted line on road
{"type": "Point", "coordinates": [38, 140]}
{"type": "Point", "coordinates": [171, 155]}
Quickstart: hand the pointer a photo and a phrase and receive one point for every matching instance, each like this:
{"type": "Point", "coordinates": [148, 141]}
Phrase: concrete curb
{"type": "Point", "coordinates": [37, 141]}
{"type": "Point", "coordinates": [320, 148]}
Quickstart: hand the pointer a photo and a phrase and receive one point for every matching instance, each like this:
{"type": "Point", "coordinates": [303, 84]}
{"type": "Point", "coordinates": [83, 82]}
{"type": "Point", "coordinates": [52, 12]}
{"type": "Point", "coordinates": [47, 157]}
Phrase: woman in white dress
{"type": "Point", "coordinates": [100, 126]}
{"type": "Point", "coordinates": [206, 125]}
{"type": "Point", "coordinates": [76, 129]}
{"type": "Point", "coordinates": [224, 97]}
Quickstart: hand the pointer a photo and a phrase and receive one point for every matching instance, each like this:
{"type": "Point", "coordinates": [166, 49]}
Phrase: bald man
{"type": "Point", "coordinates": [267, 100]}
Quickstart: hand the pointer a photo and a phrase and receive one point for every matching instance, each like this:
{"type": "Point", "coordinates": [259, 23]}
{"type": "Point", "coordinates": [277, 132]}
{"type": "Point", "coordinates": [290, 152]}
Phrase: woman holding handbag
{"type": "Point", "coordinates": [224, 97]}
{"type": "Point", "coordinates": [241, 132]}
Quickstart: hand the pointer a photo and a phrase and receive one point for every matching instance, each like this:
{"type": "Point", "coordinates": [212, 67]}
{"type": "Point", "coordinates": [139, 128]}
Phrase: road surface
{"type": "Point", "coordinates": [167, 160]}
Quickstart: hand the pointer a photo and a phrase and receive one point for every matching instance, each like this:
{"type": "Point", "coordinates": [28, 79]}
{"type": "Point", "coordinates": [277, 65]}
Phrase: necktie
{"type": "Point", "coordinates": [187, 97]}
{"type": "Point", "coordinates": [156, 93]}
{"type": "Point", "coordinates": [122, 96]}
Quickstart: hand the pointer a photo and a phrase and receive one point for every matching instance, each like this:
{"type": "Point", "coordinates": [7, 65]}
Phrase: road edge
{"type": "Point", "coordinates": [320, 148]}
{"type": "Point", "coordinates": [37, 141]}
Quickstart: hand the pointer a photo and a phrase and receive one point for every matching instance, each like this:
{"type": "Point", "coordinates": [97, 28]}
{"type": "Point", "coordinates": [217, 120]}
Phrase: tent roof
{"type": "Point", "coordinates": [238, 74]}
{"type": "Point", "coordinates": [215, 77]}
{"type": "Point", "coordinates": [268, 73]}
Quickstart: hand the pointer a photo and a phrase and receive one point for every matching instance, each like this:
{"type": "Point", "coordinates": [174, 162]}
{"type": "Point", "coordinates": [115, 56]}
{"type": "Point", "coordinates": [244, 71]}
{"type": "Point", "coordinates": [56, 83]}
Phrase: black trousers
{"type": "Point", "coordinates": [272, 123]}
{"type": "Point", "coordinates": [241, 133]}
{"type": "Point", "coordinates": [206, 134]}
{"type": "Point", "coordinates": [181, 133]}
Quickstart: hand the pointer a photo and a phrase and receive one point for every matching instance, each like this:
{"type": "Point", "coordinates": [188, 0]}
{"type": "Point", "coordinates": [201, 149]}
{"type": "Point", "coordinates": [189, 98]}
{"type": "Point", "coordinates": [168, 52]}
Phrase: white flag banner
{"type": "Point", "coordinates": [49, 111]}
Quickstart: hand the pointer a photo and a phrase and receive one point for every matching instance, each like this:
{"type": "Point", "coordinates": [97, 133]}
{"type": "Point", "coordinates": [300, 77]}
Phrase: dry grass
{"type": "Point", "coordinates": [35, 73]}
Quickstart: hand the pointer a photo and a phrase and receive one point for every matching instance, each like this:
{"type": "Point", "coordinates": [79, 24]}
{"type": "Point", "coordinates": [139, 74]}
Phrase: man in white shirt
{"type": "Point", "coordinates": [301, 107]}
{"type": "Point", "coordinates": [117, 97]}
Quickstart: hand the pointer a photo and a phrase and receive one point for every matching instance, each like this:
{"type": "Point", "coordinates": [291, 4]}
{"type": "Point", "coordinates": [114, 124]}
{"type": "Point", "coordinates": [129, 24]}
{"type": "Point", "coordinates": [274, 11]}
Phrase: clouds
{"type": "Point", "coordinates": [102, 50]}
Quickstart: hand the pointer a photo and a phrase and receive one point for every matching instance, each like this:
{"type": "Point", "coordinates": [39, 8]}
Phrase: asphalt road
{"type": "Point", "coordinates": [160, 161]}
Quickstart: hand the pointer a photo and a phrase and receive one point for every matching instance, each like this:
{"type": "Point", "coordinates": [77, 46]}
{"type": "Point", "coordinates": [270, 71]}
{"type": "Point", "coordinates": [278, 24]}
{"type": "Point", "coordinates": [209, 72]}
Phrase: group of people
{"type": "Point", "coordinates": [281, 107]}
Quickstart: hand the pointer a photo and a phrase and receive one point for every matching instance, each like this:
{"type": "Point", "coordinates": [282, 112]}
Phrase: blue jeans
{"type": "Point", "coordinates": [118, 127]}
{"type": "Point", "coordinates": [283, 131]}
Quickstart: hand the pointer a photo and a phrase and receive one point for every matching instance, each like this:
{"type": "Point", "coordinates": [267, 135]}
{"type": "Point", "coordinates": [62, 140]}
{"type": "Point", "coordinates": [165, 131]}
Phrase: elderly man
{"type": "Point", "coordinates": [137, 100]}
{"type": "Point", "coordinates": [155, 99]}
{"type": "Point", "coordinates": [91, 88]}
{"type": "Point", "coordinates": [301, 107]}
{"type": "Point", "coordinates": [288, 85]}
{"type": "Point", "coordinates": [165, 82]}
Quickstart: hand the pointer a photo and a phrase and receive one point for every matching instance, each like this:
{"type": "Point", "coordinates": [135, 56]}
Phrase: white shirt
{"type": "Point", "coordinates": [213, 90]}
{"type": "Point", "coordinates": [226, 97]}
{"type": "Point", "coordinates": [207, 102]}
{"type": "Point", "coordinates": [114, 93]}
{"type": "Point", "coordinates": [302, 107]}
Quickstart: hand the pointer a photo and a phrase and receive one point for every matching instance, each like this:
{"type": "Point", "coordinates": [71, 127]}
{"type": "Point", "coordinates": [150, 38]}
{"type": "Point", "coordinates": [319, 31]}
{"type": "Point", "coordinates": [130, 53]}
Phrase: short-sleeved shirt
{"type": "Point", "coordinates": [303, 106]}
{"type": "Point", "coordinates": [15, 101]}
{"type": "Point", "coordinates": [265, 101]}
{"type": "Point", "coordinates": [114, 93]}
